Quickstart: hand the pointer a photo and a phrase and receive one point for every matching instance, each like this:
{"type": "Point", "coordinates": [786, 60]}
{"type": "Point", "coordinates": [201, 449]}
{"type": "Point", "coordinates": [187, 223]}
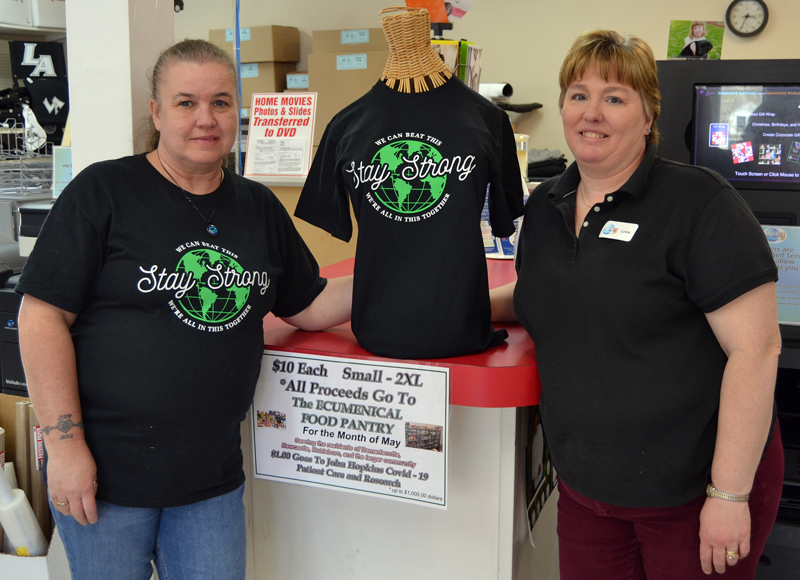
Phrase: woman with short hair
{"type": "Point", "coordinates": [649, 291]}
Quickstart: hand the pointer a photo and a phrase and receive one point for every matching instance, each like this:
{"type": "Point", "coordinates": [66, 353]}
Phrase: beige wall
{"type": "Point", "coordinates": [524, 40]}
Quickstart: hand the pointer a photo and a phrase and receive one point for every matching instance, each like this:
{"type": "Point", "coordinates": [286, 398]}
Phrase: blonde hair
{"type": "Point", "coordinates": [691, 29]}
{"type": "Point", "coordinates": [627, 58]}
{"type": "Point", "coordinates": [190, 50]}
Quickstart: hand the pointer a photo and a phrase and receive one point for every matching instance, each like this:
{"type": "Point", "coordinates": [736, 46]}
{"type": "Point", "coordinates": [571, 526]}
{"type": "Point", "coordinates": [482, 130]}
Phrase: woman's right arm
{"type": "Point", "coordinates": [502, 300]}
{"type": "Point", "coordinates": [48, 355]}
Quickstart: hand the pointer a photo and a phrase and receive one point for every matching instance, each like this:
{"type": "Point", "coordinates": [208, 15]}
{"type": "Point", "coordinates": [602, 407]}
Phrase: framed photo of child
{"type": "Point", "coordinates": [695, 39]}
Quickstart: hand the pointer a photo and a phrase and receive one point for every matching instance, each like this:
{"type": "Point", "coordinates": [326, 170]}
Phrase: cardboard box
{"type": "Point", "coordinates": [49, 13]}
{"type": "Point", "coordinates": [349, 41]}
{"type": "Point", "coordinates": [54, 566]}
{"type": "Point", "coordinates": [260, 43]}
{"type": "Point", "coordinates": [264, 77]}
{"type": "Point", "coordinates": [337, 83]}
{"type": "Point", "coordinates": [16, 12]}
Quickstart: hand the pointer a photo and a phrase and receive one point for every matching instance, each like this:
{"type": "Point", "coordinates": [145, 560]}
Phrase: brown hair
{"type": "Point", "coordinates": [628, 58]}
{"type": "Point", "coordinates": [191, 50]}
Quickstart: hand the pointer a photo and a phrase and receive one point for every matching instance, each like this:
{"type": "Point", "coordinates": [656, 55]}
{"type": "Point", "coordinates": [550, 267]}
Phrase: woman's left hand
{"type": "Point", "coordinates": [724, 526]}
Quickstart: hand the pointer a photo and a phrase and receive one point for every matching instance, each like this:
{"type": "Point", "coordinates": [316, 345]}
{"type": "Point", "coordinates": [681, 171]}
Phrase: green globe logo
{"type": "Point", "coordinates": [404, 192]}
{"type": "Point", "coordinates": [209, 301]}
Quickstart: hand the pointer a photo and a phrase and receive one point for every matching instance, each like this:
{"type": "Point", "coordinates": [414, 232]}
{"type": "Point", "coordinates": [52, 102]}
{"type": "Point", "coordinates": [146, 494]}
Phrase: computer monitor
{"type": "Point", "coordinates": [709, 106]}
{"type": "Point", "coordinates": [749, 134]}
{"type": "Point", "coordinates": [698, 98]}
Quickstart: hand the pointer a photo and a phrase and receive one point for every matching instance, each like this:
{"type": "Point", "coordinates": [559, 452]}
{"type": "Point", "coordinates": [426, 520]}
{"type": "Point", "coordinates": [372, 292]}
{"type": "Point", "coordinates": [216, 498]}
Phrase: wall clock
{"type": "Point", "coordinates": [747, 17]}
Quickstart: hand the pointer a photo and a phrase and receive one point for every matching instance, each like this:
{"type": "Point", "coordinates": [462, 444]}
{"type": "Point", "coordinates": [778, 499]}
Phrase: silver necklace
{"type": "Point", "coordinates": [210, 228]}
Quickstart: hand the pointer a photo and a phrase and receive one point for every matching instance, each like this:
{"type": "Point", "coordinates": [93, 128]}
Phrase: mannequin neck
{"type": "Point", "coordinates": [413, 65]}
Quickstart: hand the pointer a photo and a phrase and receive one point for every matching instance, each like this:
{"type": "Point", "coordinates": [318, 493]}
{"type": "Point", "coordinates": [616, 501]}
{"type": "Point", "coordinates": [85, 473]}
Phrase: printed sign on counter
{"type": "Point", "coordinates": [784, 242]}
{"type": "Point", "coordinates": [62, 169]}
{"type": "Point", "coordinates": [367, 427]}
{"type": "Point", "coordinates": [280, 134]}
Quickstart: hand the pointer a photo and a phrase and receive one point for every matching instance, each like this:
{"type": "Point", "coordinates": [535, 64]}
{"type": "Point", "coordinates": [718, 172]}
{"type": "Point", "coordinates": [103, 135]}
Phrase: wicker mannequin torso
{"type": "Point", "coordinates": [413, 65]}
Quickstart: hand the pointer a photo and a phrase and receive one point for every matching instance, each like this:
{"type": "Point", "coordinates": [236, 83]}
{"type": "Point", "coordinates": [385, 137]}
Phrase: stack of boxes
{"type": "Point", "coordinates": [267, 54]}
{"type": "Point", "coordinates": [343, 66]}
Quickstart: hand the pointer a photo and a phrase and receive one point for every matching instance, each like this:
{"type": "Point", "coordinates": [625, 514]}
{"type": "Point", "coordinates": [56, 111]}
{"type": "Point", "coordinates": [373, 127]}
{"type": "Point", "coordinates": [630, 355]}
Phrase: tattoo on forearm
{"type": "Point", "coordinates": [64, 424]}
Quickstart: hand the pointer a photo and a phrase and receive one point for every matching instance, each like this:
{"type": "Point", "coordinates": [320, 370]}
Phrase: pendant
{"type": "Point", "coordinates": [212, 230]}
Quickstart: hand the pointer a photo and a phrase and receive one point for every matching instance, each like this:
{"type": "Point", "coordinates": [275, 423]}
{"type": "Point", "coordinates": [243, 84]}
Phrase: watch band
{"type": "Point", "coordinates": [712, 491]}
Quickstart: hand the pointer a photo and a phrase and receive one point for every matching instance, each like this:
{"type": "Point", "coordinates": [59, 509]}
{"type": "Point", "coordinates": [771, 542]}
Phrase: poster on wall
{"type": "Point", "coordinates": [361, 426]}
{"type": "Point", "coordinates": [280, 135]}
{"type": "Point", "coordinates": [695, 39]}
{"type": "Point", "coordinates": [784, 242]}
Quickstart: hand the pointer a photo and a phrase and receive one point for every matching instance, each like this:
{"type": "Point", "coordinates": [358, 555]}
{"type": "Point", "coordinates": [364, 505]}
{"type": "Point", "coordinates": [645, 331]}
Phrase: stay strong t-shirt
{"type": "Point", "coordinates": [168, 337]}
{"type": "Point", "coordinates": [416, 168]}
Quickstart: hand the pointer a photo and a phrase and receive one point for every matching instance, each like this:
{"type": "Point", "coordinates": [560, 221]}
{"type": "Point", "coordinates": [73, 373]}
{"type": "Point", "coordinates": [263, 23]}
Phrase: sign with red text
{"type": "Point", "coordinates": [280, 134]}
{"type": "Point", "coordinates": [367, 427]}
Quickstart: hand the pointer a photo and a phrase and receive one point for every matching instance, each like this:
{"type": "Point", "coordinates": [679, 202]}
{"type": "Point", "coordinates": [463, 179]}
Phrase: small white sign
{"type": "Point", "coordinates": [297, 81]}
{"type": "Point", "coordinates": [62, 168]}
{"type": "Point", "coordinates": [362, 426]}
{"type": "Point", "coordinates": [621, 231]}
{"type": "Point", "coordinates": [360, 36]}
{"type": "Point", "coordinates": [244, 34]}
{"type": "Point", "coordinates": [351, 61]}
{"type": "Point", "coordinates": [249, 70]}
{"type": "Point", "coordinates": [280, 134]}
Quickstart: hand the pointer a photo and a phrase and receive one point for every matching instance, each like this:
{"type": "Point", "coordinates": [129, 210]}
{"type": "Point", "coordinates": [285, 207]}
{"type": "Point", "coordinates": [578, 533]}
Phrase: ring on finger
{"type": "Point", "coordinates": [731, 555]}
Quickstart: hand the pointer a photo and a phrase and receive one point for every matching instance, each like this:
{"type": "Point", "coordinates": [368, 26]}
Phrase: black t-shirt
{"type": "Point", "coordinates": [168, 337]}
{"type": "Point", "coordinates": [416, 168]}
{"type": "Point", "coordinates": [631, 370]}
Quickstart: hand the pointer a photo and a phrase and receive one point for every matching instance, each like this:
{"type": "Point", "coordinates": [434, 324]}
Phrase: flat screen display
{"type": "Point", "coordinates": [749, 134]}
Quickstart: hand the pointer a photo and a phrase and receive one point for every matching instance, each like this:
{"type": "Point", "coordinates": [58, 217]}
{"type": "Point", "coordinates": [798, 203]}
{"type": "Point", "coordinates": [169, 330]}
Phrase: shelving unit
{"type": "Point", "coordinates": [423, 436]}
{"type": "Point", "coordinates": [31, 31]}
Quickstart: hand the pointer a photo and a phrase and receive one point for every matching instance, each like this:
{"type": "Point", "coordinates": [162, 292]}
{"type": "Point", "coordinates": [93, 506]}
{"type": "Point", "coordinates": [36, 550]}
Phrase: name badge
{"type": "Point", "coordinates": [619, 231]}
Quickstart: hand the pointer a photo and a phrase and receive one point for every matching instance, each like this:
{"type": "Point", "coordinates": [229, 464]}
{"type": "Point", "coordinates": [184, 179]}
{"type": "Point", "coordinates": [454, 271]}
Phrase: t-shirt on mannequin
{"type": "Point", "coordinates": [415, 156]}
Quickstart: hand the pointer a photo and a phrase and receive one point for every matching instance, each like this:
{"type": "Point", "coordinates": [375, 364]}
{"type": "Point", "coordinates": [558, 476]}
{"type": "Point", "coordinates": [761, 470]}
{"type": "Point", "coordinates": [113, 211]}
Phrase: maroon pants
{"type": "Point", "coordinates": [599, 541]}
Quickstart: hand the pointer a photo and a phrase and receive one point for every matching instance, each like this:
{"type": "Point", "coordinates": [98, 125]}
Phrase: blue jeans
{"type": "Point", "coordinates": [203, 540]}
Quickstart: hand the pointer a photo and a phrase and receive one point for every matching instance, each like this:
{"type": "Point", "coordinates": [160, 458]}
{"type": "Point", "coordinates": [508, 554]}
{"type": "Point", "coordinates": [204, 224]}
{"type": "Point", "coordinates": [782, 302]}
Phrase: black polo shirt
{"type": "Point", "coordinates": [631, 370]}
